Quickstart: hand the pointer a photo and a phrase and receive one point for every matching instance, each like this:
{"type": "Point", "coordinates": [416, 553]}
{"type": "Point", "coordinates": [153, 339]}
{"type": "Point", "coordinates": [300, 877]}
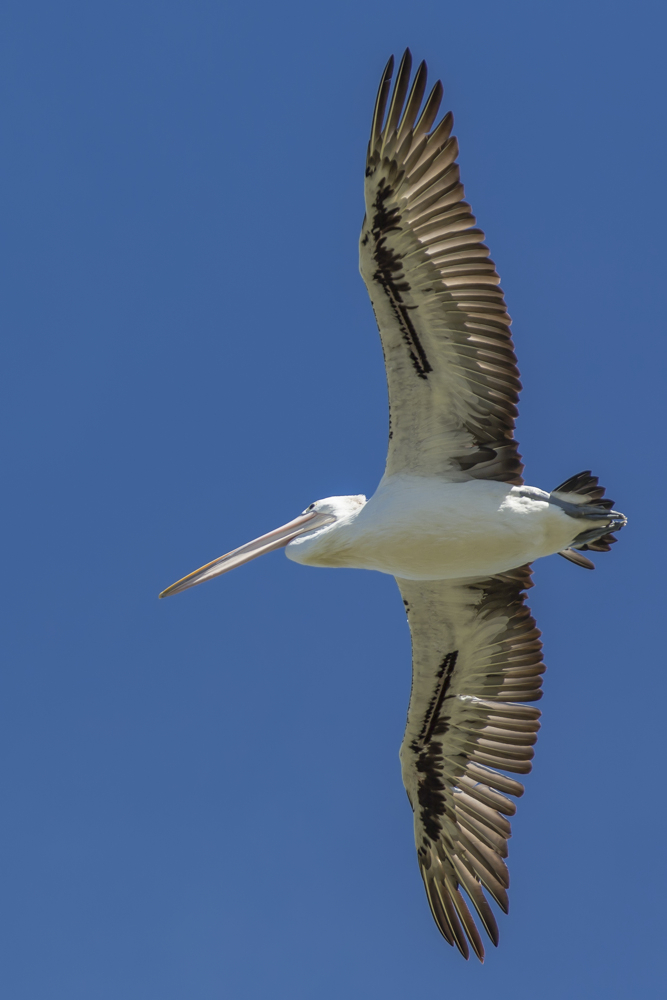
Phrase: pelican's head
{"type": "Point", "coordinates": [326, 544]}
{"type": "Point", "coordinates": [316, 519]}
{"type": "Point", "coordinates": [337, 507]}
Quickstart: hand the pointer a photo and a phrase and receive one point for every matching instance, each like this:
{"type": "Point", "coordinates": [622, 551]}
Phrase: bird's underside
{"type": "Point", "coordinates": [451, 519]}
{"type": "Point", "coordinates": [453, 389]}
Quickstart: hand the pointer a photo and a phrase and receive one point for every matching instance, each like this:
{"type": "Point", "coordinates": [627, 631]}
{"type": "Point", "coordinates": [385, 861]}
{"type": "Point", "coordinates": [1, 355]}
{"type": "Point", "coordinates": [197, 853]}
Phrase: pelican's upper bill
{"type": "Point", "coordinates": [451, 519]}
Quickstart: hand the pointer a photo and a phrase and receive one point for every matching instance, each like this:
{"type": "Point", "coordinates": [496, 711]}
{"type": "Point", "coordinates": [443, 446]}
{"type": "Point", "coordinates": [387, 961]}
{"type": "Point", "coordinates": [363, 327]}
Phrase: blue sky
{"type": "Point", "coordinates": [201, 797]}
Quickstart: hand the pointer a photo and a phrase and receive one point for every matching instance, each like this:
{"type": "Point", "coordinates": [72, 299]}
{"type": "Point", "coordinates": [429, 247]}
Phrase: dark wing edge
{"type": "Point", "coordinates": [477, 658]}
{"type": "Point", "coordinates": [451, 366]}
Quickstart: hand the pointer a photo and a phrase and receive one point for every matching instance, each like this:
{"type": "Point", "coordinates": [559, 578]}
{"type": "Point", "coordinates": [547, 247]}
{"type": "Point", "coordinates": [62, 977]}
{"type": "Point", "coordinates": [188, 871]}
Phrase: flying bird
{"type": "Point", "coordinates": [452, 519]}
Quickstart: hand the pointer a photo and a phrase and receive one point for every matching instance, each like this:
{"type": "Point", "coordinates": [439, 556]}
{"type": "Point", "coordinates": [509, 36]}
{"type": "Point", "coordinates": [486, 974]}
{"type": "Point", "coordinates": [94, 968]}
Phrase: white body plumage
{"type": "Point", "coordinates": [421, 528]}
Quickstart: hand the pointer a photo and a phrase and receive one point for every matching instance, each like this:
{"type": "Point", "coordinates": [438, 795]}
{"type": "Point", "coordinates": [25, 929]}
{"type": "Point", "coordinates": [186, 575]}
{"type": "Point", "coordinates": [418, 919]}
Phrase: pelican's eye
{"type": "Point", "coordinates": [312, 507]}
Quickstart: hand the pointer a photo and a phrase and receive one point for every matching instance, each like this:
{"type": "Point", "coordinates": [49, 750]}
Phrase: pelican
{"type": "Point", "coordinates": [452, 519]}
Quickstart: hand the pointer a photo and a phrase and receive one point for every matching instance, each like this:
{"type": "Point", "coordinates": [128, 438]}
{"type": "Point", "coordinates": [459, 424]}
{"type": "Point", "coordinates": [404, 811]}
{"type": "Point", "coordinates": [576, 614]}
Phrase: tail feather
{"type": "Point", "coordinates": [584, 489]}
{"type": "Point", "coordinates": [577, 558]}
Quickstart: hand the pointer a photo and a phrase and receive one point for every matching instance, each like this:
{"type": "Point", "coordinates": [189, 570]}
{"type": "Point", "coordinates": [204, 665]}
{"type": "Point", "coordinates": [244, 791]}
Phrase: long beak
{"type": "Point", "coordinates": [275, 539]}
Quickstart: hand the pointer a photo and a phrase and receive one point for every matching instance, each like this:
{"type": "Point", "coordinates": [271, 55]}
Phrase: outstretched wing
{"type": "Point", "coordinates": [451, 368]}
{"type": "Point", "coordinates": [476, 658]}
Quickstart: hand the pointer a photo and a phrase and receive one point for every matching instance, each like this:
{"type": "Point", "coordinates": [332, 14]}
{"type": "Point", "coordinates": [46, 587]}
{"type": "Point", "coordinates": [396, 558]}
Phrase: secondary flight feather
{"type": "Point", "coordinates": [451, 519]}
